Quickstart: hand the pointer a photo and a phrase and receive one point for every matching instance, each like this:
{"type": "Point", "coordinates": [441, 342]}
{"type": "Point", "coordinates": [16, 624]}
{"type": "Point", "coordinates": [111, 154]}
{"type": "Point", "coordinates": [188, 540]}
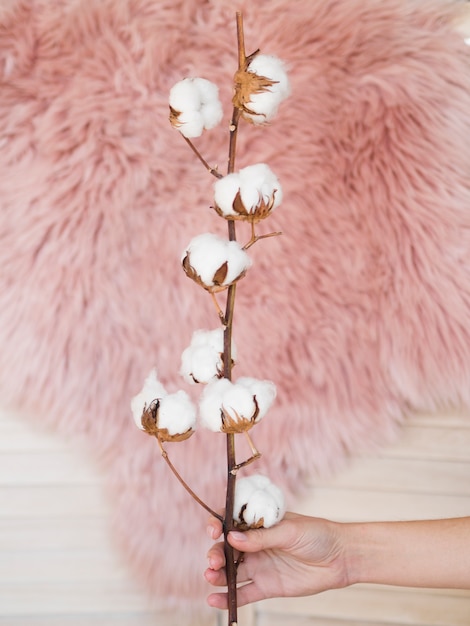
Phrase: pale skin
{"type": "Point", "coordinates": [303, 556]}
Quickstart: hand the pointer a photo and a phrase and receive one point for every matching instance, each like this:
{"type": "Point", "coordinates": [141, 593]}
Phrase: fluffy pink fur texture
{"type": "Point", "coordinates": [359, 312]}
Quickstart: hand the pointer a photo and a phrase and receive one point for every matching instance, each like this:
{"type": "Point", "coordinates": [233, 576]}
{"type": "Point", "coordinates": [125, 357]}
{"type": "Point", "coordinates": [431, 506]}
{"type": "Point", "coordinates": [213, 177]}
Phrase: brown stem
{"type": "Point", "coordinates": [220, 313]}
{"type": "Point", "coordinates": [255, 238]}
{"type": "Point", "coordinates": [255, 454]}
{"type": "Point", "coordinates": [212, 170]}
{"type": "Point", "coordinates": [231, 568]}
{"type": "Point", "coordinates": [230, 561]}
{"type": "Point", "coordinates": [240, 42]}
{"type": "Point", "coordinates": [185, 485]}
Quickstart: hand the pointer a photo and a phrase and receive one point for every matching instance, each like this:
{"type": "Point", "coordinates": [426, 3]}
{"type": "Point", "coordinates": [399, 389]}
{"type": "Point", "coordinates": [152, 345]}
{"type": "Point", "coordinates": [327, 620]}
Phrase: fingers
{"type": "Point", "coordinates": [214, 528]}
{"type": "Point", "coordinates": [216, 556]}
{"type": "Point", "coordinates": [245, 595]}
{"type": "Point", "coordinates": [215, 574]}
{"type": "Point", "coordinates": [217, 578]}
{"type": "Point", "coordinates": [278, 536]}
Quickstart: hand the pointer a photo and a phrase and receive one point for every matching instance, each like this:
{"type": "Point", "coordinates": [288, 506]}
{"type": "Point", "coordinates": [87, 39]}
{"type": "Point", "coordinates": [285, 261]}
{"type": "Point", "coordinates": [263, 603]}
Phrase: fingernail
{"type": "Point", "coordinates": [210, 532]}
{"type": "Point", "coordinates": [237, 535]}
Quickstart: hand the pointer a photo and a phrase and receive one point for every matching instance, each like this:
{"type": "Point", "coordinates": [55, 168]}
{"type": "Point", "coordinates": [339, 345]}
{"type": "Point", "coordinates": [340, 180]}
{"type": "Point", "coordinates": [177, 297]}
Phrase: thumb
{"type": "Point", "coordinates": [255, 540]}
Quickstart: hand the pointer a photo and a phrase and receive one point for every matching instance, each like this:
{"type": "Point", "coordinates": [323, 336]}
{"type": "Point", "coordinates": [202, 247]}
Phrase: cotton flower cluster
{"type": "Point", "coordinates": [250, 194]}
{"type": "Point", "coordinates": [260, 88]}
{"type": "Point", "coordinates": [215, 263]}
{"type": "Point", "coordinates": [194, 106]}
{"type": "Point", "coordinates": [258, 502]}
{"type": "Point", "coordinates": [230, 407]}
{"type": "Point", "coordinates": [169, 416]}
{"type": "Point", "coordinates": [202, 360]}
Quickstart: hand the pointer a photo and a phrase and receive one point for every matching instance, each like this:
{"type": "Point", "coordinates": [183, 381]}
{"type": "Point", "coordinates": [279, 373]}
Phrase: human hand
{"type": "Point", "coordinates": [297, 557]}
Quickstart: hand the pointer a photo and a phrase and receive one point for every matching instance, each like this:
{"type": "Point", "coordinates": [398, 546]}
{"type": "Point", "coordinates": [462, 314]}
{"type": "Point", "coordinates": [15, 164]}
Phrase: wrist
{"type": "Point", "coordinates": [359, 548]}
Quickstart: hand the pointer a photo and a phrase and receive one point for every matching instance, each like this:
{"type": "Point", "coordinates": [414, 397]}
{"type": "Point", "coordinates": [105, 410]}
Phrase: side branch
{"type": "Point", "coordinates": [185, 485]}
{"type": "Point", "coordinates": [212, 170]}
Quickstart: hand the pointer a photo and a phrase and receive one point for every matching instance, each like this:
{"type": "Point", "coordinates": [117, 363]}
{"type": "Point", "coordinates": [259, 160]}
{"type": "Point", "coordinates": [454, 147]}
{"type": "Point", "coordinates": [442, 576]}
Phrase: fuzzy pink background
{"type": "Point", "coordinates": [359, 312]}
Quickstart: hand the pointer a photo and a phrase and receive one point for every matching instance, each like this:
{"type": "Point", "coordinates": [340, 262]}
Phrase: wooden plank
{"type": "Point", "coordinates": [110, 602]}
{"type": "Point", "coordinates": [71, 599]}
{"type": "Point", "coordinates": [47, 467]}
{"type": "Point", "coordinates": [18, 432]}
{"type": "Point", "coordinates": [369, 505]}
{"type": "Point", "coordinates": [93, 619]}
{"type": "Point", "coordinates": [50, 501]}
{"type": "Point", "coordinates": [379, 604]}
{"type": "Point", "coordinates": [136, 618]}
{"type": "Point", "coordinates": [439, 443]}
{"type": "Point", "coordinates": [445, 418]}
{"type": "Point", "coordinates": [271, 619]}
{"type": "Point", "coordinates": [405, 475]}
{"type": "Point", "coordinates": [71, 566]}
{"type": "Point", "coordinates": [52, 533]}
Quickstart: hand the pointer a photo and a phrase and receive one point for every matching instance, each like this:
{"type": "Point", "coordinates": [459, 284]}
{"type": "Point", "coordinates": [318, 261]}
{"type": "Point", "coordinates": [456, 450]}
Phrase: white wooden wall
{"type": "Point", "coordinates": [57, 565]}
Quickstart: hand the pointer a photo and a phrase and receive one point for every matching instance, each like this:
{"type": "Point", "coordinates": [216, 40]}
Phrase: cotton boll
{"type": "Point", "coordinates": [185, 96]}
{"type": "Point", "coordinates": [212, 114]}
{"type": "Point", "coordinates": [262, 506]}
{"type": "Point", "coordinates": [273, 68]}
{"type": "Point", "coordinates": [176, 413]}
{"type": "Point", "coordinates": [207, 253]}
{"type": "Point", "coordinates": [258, 182]}
{"type": "Point", "coordinates": [200, 364]}
{"type": "Point", "coordinates": [208, 91]}
{"type": "Point", "coordinates": [237, 401]}
{"type": "Point", "coordinates": [191, 124]}
{"type": "Point", "coordinates": [258, 499]}
{"type": "Point", "coordinates": [263, 390]}
{"type": "Point", "coordinates": [202, 360]}
{"type": "Point", "coordinates": [211, 403]}
{"type": "Point", "coordinates": [258, 190]}
{"type": "Point", "coordinates": [238, 262]}
{"type": "Point", "coordinates": [227, 407]}
{"type": "Point", "coordinates": [152, 390]}
{"type": "Point", "coordinates": [265, 103]}
{"type": "Point", "coordinates": [195, 106]}
{"type": "Point", "coordinates": [225, 190]}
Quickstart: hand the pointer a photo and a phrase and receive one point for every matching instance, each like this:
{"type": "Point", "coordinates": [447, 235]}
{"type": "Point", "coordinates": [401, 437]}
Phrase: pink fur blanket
{"type": "Point", "coordinates": [359, 312]}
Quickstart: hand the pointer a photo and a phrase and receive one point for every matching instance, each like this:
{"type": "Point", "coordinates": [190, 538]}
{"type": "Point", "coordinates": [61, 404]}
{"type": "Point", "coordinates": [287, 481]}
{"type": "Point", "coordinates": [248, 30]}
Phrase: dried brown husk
{"type": "Point", "coordinates": [174, 117]}
{"type": "Point", "coordinates": [217, 279]}
{"type": "Point", "coordinates": [246, 84]}
{"type": "Point", "coordinates": [240, 524]}
{"type": "Point", "coordinates": [238, 424]}
{"type": "Point", "coordinates": [263, 209]}
{"type": "Point", "coordinates": [150, 425]}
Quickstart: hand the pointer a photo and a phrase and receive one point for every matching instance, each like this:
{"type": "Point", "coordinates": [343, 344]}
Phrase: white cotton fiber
{"type": "Point", "coordinates": [237, 401]}
{"type": "Point", "coordinates": [211, 403]}
{"type": "Point", "coordinates": [207, 253]}
{"type": "Point", "coordinates": [197, 105]}
{"type": "Point", "coordinates": [152, 390]}
{"type": "Point", "coordinates": [256, 499]}
{"type": "Point", "coordinates": [202, 360]}
{"type": "Point", "coordinates": [256, 184]}
{"type": "Point", "coordinates": [265, 104]}
{"type": "Point", "coordinates": [263, 390]}
{"type": "Point", "coordinates": [225, 190]}
{"type": "Point", "coordinates": [176, 413]}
